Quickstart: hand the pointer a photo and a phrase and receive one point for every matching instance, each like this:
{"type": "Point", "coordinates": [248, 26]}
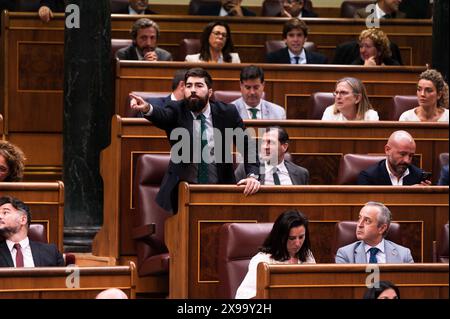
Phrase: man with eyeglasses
{"type": "Point", "coordinates": [16, 249]}
{"type": "Point", "coordinates": [295, 9]}
{"type": "Point", "coordinates": [225, 8]}
{"type": "Point", "coordinates": [145, 34]}
{"type": "Point", "coordinates": [295, 33]}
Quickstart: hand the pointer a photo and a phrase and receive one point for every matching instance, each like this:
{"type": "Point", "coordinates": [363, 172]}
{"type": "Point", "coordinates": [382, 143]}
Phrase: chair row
{"type": "Point", "coordinates": [317, 103]}
{"type": "Point", "coordinates": [239, 242]}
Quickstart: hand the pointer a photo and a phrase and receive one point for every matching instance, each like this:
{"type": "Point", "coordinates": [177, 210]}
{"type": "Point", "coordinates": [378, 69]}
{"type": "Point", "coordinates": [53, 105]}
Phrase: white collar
{"type": "Point", "coordinates": [380, 246]}
{"type": "Point", "coordinates": [280, 167]}
{"type": "Point", "coordinates": [392, 176]}
{"type": "Point", "coordinates": [302, 55]}
{"type": "Point", "coordinates": [132, 11]}
{"type": "Point", "coordinates": [24, 243]}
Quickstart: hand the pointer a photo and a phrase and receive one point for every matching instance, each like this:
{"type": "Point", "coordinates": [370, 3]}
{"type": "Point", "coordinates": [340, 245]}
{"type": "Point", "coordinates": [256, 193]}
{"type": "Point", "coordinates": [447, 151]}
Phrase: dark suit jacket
{"type": "Point", "coordinates": [176, 115]}
{"type": "Point", "coordinates": [299, 175]}
{"type": "Point", "coordinates": [126, 11]}
{"type": "Point", "coordinates": [55, 5]}
{"type": "Point", "coordinates": [282, 56]}
{"type": "Point", "coordinates": [378, 175]}
{"type": "Point", "coordinates": [213, 9]}
{"type": "Point", "coordinates": [129, 53]}
{"type": "Point", "coordinates": [160, 101]}
{"type": "Point", "coordinates": [361, 13]}
{"type": "Point", "coordinates": [44, 255]}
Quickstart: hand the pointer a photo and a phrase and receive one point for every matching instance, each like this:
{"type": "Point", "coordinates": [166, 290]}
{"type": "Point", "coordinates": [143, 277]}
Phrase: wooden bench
{"type": "Point", "coordinates": [46, 202]}
{"type": "Point", "coordinates": [66, 282]}
{"type": "Point", "coordinates": [312, 142]}
{"type": "Point", "coordinates": [415, 281]}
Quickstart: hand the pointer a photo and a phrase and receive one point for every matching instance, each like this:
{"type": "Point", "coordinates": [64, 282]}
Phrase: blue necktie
{"type": "Point", "coordinates": [297, 58]}
{"type": "Point", "coordinates": [373, 255]}
{"type": "Point", "coordinates": [202, 177]}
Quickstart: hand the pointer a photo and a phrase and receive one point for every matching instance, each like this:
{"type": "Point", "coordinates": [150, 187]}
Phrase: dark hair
{"type": "Point", "coordinates": [275, 243]}
{"type": "Point", "coordinates": [17, 204]}
{"type": "Point", "coordinates": [374, 293]}
{"type": "Point", "coordinates": [252, 72]}
{"type": "Point", "coordinates": [199, 73]}
{"type": "Point", "coordinates": [205, 55]}
{"type": "Point", "coordinates": [283, 136]}
{"type": "Point", "coordinates": [438, 81]}
{"type": "Point", "coordinates": [294, 23]}
{"type": "Point", "coordinates": [143, 23]}
{"type": "Point", "coordinates": [15, 159]}
{"type": "Point", "coordinates": [178, 77]}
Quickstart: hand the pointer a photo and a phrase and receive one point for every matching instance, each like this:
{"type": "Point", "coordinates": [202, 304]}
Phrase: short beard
{"type": "Point", "coordinates": [7, 232]}
{"type": "Point", "coordinates": [196, 105]}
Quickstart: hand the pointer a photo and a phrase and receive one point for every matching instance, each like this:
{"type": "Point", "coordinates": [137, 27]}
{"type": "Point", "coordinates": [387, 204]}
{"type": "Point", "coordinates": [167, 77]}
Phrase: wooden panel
{"type": "Point", "coordinates": [285, 85]}
{"type": "Point", "coordinates": [46, 202]}
{"type": "Point", "coordinates": [415, 281]}
{"type": "Point", "coordinates": [316, 145]}
{"type": "Point", "coordinates": [57, 282]}
{"type": "Point", "coordinates": [193, 274]}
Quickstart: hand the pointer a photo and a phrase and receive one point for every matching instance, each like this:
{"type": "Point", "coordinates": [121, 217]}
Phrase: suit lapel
{"type": "Point", "coordinates": [36, 253]}
{"type": "Point", "coordinates": [360, 254]}
{"type": "Point", "coordinates": [5, 255]}
{"type": "Point", "coordinates": [392, 254]}
{"type": "Point", "coordinates": [384, 173]}
{"type": "Point", "coordinates": [292, 174]}
{"type": "Point", "coordinates": [265, 112]}
{"type": "Point", "coordinates": [286, 57]}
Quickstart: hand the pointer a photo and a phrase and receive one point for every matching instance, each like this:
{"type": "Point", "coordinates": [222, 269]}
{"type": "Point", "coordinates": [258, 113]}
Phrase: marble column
{"type": "Point", "coordinates": [440, 37]}
{"type": "Point", "coordinates": [87, 114]}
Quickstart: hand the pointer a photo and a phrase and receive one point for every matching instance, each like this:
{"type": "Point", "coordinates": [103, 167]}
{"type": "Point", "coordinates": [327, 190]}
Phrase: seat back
{"type": "Point", "coordinates": [117, 44]}
{"type": "Point", "coordinates": [38, 232]}
{"type": "Point", "coordinates": [274, 45]}
{"type": "Point", "coordinates": [226, 96]}
{"type": "Point", "coordinates": [188, 46]}
{"type": "Point", "coordinates": [400, 104]}
{"type": "Point", "coordinates": [119, 6]}
{"type": "Point", "coordinates": [345, 234]}
{"type": "Point", "coordinates": [442, 245]}
{"type": "Point", "coordinates": [238, 243]}
{"type": "Point", "coordinates": [150, 170]}
{"type": "Point", "coordinates": [27, 5]}
{"type": "Point", "coordinates": [348, 8]}
{"type": "Point", "coordinates": [352, 164]}
{"type": "Point", "coordinates": [144, 95]}
{"type": "Point", "coordinates": [318, 102]}
{"type": "Point", "coordinates": [195, 5]}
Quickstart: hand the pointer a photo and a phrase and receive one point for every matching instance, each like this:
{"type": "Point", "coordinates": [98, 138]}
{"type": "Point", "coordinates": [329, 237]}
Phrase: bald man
{"type": "Point", "coordinates": [112, 293]}
{"type": "Point", "coordinates": [396, 169]}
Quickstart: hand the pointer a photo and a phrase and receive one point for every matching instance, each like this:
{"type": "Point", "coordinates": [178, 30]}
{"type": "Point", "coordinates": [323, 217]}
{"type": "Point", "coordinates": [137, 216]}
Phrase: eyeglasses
{"type": "Point", "coordinates": [341, 93]}
{"type": "Point", "coordinates": [218, 33]}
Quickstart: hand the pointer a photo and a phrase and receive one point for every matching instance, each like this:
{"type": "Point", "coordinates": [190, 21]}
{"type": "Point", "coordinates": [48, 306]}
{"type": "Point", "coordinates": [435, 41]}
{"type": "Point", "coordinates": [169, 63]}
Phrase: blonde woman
{"type": "Point", "coordinates": [432, 94]}
{"type": "Point", "coordinates": [350, 103]}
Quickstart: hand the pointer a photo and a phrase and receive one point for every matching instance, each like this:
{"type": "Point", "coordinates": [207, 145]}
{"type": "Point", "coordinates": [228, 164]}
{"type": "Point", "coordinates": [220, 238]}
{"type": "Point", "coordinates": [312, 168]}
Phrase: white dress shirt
{"type": "Point", "coordinates": [250, 114]}
{"type": "Point", "coordinates": [394, 180]}
{"type": "Point", "coordinates": [302, 56]}
{"type": "Point", "coordinates": [282, 172]}
{"type": "Point", "coordinates": [381, 255]}
{"type": "Point", "coordinates": [26, 252]}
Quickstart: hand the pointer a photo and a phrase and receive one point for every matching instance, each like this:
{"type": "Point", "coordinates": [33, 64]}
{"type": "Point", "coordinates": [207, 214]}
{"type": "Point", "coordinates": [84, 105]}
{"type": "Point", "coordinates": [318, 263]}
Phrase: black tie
{"type": "Point", "coordinates": [297, 58]}
{"type": "Point", "coordinates": [254, 111]}
{"type": "Point", "coordinates": [388, 16]}
{"type": "Point", "coordinates": [276, 178]}
{"type": "Point", "coordinates": [202, 177]}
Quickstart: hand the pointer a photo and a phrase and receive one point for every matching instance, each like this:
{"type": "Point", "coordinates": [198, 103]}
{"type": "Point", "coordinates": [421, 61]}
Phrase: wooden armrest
{"type": "Point", "coordinates": [143, 231]}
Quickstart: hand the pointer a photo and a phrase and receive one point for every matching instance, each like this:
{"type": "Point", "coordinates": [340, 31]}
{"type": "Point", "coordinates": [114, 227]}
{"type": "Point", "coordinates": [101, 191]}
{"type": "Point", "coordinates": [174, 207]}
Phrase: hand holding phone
{"type": "Point", "coordinates": [426, 176]}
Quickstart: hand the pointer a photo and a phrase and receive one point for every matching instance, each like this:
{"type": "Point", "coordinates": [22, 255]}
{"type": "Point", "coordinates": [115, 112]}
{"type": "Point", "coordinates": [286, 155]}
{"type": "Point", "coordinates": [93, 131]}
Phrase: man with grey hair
{"type": "Point", "coordinates": [145, 34]}
{"type": "Point", "coordinates": [397, 169]}
{"type": "Point", "coordinates": [371, 246]}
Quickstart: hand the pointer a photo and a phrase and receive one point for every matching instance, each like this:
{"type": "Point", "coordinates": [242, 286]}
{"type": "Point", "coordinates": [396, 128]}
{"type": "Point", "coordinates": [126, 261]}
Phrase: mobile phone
{"type": "Point", "coordinates": [426, 176]}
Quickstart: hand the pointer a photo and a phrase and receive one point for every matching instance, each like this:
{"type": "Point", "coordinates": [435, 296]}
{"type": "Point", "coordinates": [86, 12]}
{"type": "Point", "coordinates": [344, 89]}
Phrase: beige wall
{"type": "Point", "coordinates": [317, 3]}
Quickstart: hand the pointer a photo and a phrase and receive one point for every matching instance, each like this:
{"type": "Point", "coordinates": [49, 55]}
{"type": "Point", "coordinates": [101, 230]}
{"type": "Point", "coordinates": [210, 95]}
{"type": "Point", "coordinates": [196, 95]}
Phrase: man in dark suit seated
{"type": "Point", "coordinates": [295, 33]}
{"type": "Point", "coordinates": [176, 95]}
{"type": "Point", "coordinates": [295, 9]}
{"type": "Point", "coordinates": [396, 169]}
{"type": "Point", "coordinates": [16, 249]}
{"type": "Point", "coordinates": [201, 132]}
{"type": "Point", "coordinates": [225, 8]}
{"type": "Point", "coordinates": [275, 169]}
{"type": "Point", "coordinates": [384, 9]}
{"type": "Point", "coordinates": [145, 34]}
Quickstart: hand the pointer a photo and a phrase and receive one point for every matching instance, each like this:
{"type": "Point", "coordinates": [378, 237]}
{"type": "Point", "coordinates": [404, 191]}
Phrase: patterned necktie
{"type": "Point", "coordinates": [202, 177]}
{"type": "Point", "coordinates": [373, 255]}
{"type": "Point", "coordinates": [276, 178]}
{"type": "Point", "coordinates": [297, 58]}
{"type": "Point", "coordinates": [19, 256]}
{"type": "Point", "coordinates": [254, 111]}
